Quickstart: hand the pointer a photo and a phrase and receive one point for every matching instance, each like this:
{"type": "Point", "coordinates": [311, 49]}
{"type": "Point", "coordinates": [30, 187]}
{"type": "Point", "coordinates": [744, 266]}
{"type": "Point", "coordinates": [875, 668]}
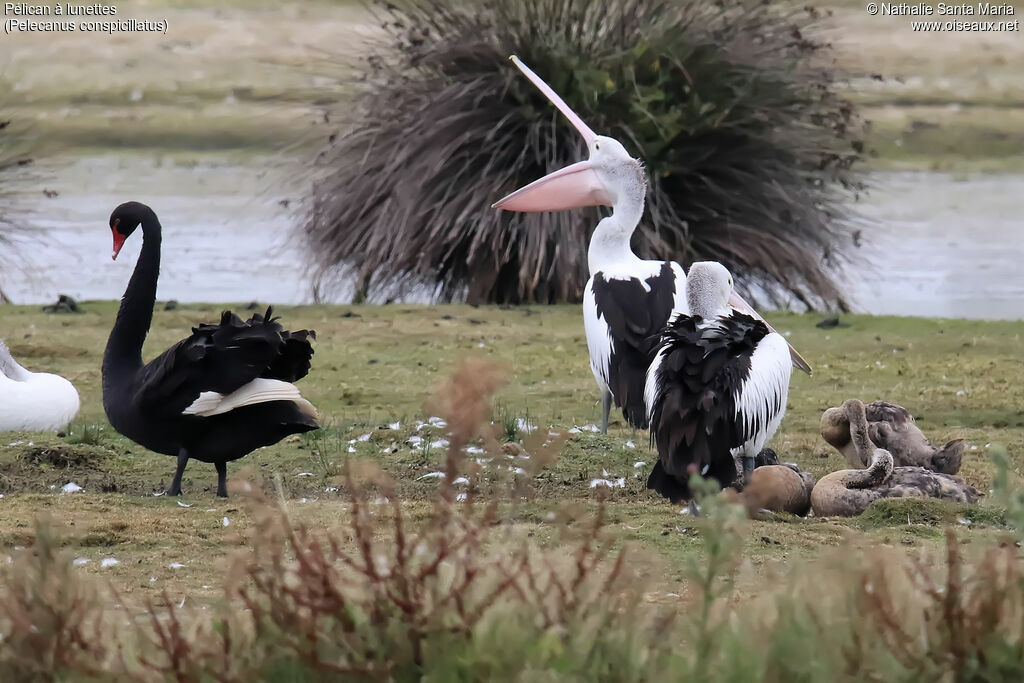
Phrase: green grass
{"type": "Point", "coordinates": [946, 138]}
{"type": "Point", "coordinates": [377, 366]}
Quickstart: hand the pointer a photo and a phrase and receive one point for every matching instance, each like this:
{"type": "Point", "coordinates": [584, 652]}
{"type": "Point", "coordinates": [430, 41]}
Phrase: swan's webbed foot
{"type": "Point", "coordinates": [222, 479]}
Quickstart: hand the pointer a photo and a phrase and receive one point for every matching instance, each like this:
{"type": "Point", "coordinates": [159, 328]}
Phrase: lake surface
{"type": "Point", "coordinates": [940, 246]}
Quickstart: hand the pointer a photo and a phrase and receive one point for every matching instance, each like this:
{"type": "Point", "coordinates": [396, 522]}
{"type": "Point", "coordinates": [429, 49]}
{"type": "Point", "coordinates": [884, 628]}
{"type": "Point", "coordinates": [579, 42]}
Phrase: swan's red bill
{"type": "Point", "coordinates": [118, 242]}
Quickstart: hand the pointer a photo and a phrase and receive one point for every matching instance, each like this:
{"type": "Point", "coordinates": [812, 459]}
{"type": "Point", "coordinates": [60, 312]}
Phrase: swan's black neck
{"type": "Point", "coordinates": [124, 347]}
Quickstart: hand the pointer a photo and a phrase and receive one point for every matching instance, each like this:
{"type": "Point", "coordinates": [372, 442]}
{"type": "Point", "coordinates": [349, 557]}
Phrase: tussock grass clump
{"type": "Point", "coordinates": [85, 434]}
{"type": "Point", "coordinates": [733, 105]}
{"type": "Point", "coordinates": [51, 620]}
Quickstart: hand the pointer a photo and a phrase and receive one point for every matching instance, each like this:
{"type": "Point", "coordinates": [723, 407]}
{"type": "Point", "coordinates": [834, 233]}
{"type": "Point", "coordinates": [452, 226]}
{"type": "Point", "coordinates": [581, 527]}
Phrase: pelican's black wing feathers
{"type": "Point", "coordinates": [694, 417]}
{"type": "Point", "coordinates": [635, 313]}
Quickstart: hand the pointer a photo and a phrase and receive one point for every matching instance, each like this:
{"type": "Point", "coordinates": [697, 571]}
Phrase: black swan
{"type": "Point", "coordinates": [774, 487]}
{"type": "Point", "coordinates": [215, 396]}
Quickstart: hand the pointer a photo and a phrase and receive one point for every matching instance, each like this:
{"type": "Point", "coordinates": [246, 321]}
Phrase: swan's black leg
{"type": "Point", "coordinates": [175, 489]}
{"type": "Point", "coordinates": [222, 478]}
{"type": "Point", "coordinates": [606, 407]}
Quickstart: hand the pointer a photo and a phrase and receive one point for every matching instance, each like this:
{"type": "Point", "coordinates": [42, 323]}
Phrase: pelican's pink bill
{"type": "Point", "coordinates": [738, 302]}
{"type": "Point", "coordinates": [576, 121]}
{"type": "Point", "coordinates": [571, 187]}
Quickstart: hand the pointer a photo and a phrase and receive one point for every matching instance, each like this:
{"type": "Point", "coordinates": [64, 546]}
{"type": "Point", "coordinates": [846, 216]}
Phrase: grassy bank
{"type": "Point", "coordinates": [375, 369]}
{"type": "Point", "coordinates": [259, 77]}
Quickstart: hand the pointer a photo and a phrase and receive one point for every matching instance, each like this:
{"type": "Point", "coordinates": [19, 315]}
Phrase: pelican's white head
{"type": "Point", "coordinates": [709, 288]}
{"type": "Point", "coordinates": [609, 176]}
{"type": "Point", "coordinates": [710, 293]}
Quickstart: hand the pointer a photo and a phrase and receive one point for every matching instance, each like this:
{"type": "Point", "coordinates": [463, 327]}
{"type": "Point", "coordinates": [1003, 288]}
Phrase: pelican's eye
{"type": "Point", "coordinates": [597, 145]}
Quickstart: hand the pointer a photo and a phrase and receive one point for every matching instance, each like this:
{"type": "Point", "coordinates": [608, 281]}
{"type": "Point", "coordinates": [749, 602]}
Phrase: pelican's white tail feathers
{"type": "Point", "coordinates": [211, 403]}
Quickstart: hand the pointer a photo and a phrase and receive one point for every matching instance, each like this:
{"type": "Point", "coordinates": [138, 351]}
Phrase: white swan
{"type": "Point", "coordinates": [33, 401]}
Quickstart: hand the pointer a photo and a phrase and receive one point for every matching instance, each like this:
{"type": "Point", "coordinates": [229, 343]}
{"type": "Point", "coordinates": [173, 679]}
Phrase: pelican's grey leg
{"type": "Point", "coordinates": [748, 468]}
{"type": "Point", "coordinates": [606, 407]}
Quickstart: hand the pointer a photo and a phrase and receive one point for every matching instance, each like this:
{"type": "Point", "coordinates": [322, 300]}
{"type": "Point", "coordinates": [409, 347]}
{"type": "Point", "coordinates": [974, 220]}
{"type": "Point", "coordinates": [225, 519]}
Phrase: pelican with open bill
{"type": "Point", "coordinates": [628, 300]}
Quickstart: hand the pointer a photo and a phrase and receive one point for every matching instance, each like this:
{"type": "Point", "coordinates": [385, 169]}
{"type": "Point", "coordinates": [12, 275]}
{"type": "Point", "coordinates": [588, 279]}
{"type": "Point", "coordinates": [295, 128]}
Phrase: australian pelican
{"type": "Point", "coordinates": [628, 300]}
{"type": "Point", "coordinates": [716, 389]}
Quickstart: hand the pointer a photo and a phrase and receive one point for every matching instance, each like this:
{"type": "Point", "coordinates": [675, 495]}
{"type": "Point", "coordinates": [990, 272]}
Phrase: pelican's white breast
{"type": "Point", "coordinates": [761, 397]}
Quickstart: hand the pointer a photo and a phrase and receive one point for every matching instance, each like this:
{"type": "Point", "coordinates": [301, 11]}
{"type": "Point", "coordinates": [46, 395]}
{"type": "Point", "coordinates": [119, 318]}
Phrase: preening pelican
{"type": "Point", "coordinates": [716, 389]}
{"type": "Point", "coordinates": [628, 300]}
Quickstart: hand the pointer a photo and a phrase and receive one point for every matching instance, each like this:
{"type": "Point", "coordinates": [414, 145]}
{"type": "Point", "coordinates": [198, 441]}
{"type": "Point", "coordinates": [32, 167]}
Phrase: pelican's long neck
{"type": "Point", "coordinates": [609, 245]}
{"type": "Point", "coordinates": [124, 347]}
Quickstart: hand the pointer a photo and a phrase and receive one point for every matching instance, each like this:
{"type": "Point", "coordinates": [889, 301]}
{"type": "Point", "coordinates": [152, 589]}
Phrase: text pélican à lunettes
{"type": "Point", "coordinates": [58, 9]}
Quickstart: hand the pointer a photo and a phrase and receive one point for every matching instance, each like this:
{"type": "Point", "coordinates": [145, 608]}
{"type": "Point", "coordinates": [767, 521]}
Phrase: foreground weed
{"type": "Point", "coordinates": [386, 598]}
{"type": "Point", "coordinates": [51, 621]}
{"type": "Point", "coordinates": [453, 591]}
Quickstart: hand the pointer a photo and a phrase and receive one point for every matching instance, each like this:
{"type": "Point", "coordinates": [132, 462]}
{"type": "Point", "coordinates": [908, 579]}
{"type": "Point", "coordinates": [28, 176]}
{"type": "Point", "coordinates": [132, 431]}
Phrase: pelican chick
{"type": "Point", "coordinates": [848, 493]}
{"type": "Point", "coordinates": [776, 488]}
{"type": "Point", "coordinates": [890, 427]}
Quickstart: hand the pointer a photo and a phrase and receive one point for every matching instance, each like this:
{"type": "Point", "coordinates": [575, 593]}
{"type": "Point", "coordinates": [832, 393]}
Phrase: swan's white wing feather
{"type": "Point", "coordinates": [260, 390]}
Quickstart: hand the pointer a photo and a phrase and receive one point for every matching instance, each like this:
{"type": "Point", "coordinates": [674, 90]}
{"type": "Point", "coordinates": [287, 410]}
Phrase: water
{"type": "Point", "coordinates": [941, 246]}
{"type": "Point", "coordinates": [944, 247]}
{"type": "Point", "coordinates": [227, 238]}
